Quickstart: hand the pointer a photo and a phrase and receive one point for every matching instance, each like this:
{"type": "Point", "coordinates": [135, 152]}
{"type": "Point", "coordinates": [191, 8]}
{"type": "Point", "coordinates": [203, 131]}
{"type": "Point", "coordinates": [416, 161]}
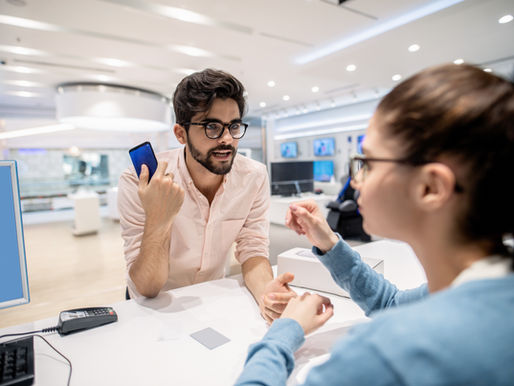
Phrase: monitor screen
{"type": "Point", "coordinates": [289, 150]}
{"type": "Point", "coordinates": [323, 171]}
{"type": "Point", "coordinates": [324, 147]}
{"type": "Point", "coordinates": [14, 287]}
{"type": "Point", "coordinates": [360, 139]}
{"type": "Point", "coordinates": [288, 178]}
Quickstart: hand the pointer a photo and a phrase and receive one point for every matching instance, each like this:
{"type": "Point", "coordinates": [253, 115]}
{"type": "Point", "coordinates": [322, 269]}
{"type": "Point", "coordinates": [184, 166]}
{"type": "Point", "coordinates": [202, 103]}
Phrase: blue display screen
{"type": "Point", "coordinates": [323, 170]}
{"type": "Point", "coordinates": [289, 150]}
{"type": "Point", "coordinates": [360, 139]}
{"type": "Point", "coordinates": [324, 147]}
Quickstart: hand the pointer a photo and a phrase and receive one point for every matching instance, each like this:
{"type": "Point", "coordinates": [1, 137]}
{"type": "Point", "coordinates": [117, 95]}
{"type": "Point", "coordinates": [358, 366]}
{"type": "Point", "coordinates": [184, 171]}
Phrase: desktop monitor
{"type": "Point", "coordinates": [288, 178]}
{"type": "Point", "coordinates": [323, 170]}
{"type": "Point", "coordinates": [360, 139]}
{"type": "Point", "coordinates": [324, 147]}
{"type": "Point", "coordinates": [14, 288]}
{"type": "Point", "coordinates": [289, 150]}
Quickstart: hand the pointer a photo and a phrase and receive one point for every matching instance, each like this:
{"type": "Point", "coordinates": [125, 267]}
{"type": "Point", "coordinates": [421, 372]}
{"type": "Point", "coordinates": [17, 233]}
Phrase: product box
{"type": "Point", "coordinates": [310, 273]}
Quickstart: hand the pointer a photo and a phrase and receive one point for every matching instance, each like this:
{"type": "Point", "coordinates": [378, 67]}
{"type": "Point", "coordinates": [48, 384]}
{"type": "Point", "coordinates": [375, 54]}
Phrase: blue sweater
{"type": "Point", "coordinates": [460, 336]}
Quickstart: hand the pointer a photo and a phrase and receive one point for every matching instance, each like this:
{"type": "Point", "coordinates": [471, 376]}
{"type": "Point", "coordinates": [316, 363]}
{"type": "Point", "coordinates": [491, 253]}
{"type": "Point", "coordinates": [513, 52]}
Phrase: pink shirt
{"type": "Point", "coordinates": [202, 234]}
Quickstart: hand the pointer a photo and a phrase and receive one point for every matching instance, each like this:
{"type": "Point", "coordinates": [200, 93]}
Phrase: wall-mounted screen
{"type": "Point", "coordinates": [323, 171]}
{"type": "Point", "coordinates": [360, 139]}
{"type": "Point", "coordinates": [324, 147]}
{"type": "Point", "coordinates": [288, 178]}
{"type": "Point", "coordinates": [289, 150]}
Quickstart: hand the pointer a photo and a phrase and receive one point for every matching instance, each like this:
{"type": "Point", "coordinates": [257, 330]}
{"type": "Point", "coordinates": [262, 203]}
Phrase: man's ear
{"type": "Point", "coordinates": [435, 186]}
{"type": "Point", "coordinates": [180, 133]}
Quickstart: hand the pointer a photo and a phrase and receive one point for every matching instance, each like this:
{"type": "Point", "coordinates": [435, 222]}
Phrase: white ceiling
{"type": "Point", "coordinates": [257, 41]}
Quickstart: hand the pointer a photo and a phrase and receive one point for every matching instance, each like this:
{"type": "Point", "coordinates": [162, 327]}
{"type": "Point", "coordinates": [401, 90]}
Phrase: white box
{"type": "Point", "coordinates": [310, 273]}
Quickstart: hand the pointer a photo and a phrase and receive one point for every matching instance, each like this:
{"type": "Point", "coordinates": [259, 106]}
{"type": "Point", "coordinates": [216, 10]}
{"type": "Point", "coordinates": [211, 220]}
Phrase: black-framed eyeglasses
{"type": "Point", "coordinates": [359, 167]}
{"type": "Point", "coordinates": [214, 128]}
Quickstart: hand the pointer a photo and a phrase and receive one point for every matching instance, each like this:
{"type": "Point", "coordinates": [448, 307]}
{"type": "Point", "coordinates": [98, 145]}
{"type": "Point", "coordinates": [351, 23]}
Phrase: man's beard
{"type": "Point", "coordinates": [207, 161]}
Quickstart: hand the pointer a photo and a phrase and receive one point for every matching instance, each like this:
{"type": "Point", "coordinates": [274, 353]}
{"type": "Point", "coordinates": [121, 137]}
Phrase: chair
{"type": "Point", "coordinates": [344, 217]}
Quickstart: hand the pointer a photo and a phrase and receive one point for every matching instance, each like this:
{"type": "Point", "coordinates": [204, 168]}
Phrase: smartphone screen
{"type": "Point", "coordinates": [143, 154]}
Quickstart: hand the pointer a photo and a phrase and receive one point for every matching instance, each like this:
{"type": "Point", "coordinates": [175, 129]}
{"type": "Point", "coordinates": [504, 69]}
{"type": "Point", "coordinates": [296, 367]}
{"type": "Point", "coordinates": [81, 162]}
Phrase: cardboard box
{"type": "Point", "coordinates": [310, 273]}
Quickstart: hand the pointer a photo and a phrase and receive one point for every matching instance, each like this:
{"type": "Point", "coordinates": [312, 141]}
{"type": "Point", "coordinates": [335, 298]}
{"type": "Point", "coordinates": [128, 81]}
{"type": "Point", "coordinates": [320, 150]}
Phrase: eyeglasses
{"type": "Point", "coordinates": [359, 167]}
{"type": "Point", "coordinates": [214, 129]}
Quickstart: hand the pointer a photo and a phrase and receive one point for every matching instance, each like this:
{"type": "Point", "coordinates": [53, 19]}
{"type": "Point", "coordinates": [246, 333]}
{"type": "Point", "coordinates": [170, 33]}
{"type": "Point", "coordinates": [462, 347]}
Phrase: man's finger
{"type": "Point", "coordinates": [286, 277]}
{"type": "Point", "coordinates": [161, 168]}
{"type": "Point", "coordinates": [272, 314]}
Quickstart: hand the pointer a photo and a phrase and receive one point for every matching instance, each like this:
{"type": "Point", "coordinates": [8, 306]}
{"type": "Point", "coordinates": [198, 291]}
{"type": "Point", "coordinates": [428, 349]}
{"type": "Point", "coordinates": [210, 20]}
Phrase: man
{"type": "Point", "coordinates": [179, 227]}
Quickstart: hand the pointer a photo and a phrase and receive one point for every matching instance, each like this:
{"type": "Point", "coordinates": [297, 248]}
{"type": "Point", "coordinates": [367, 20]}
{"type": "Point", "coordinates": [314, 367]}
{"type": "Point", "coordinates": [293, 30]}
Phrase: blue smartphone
{"type": "Point", "coordinates": [143, 154]}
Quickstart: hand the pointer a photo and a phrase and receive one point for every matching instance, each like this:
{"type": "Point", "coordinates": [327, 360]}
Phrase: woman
{"type": "Point", "coordinates": [436, 173]}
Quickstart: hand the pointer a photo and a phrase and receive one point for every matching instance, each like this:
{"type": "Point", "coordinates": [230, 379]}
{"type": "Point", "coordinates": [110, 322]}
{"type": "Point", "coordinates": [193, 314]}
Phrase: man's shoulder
{"type": "Point", "coordinates": [248, 166]}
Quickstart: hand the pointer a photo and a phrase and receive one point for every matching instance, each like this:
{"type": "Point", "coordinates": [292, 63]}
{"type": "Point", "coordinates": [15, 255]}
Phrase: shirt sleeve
{"type": "Point", "coordinates": [369, 289]}
{"type": "Point", "coordinates": [271, 361]}
{"type": "Point", "coordinates": [253, 239]}
{"type": "Point", "coordinates": [132, 215]}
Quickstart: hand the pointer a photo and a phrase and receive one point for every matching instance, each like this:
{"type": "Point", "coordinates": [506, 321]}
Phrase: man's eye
{"type": "Point", "coordinates": [212, 126]}
{"type": "Point", "coordinates": [235, 126]}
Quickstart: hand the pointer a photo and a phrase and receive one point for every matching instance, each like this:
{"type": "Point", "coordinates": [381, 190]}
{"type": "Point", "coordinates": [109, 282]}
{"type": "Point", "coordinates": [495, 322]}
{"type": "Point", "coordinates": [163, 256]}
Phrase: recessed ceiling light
{"type": "Point", "coordinates": [18, 50]}
{"type": "Point", "coordinates": [24, 83]}
{"type": "Point", "coordinates": [315, 89]}
{"type": "Point", "coordinates": [271, 83]}
{"type": "Point", "coordinates": [113, 62]}
{"type": "Point", "coordinates": [185, 71]}
{"type": "Point", "coordinates": [21, 69]}
{"type": "Point", "coordinates": [488, 70]}
{"type": "Point", "coordinates": [351, 67]}
{"type": "Point", "coordinates": [458, 61]}
{"type": "Point", "coordinates": [414, 47]}
{"type": "Point", "coordinates": [262, 104]}
{"type": "Point", "coordinates": [505, 19]}
{"type": "Point", "coordinates": [24, 94]}
{"type": "Point", "coordinates": [191, 51]}
{"type": "Point", "coordinates": [286, 97]}
{"type": "Point", "coordinates": [396, 77]}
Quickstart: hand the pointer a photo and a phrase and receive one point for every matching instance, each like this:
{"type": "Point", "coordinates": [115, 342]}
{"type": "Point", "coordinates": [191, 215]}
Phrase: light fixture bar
{"type": "Point", "coordinates": [36, 130]}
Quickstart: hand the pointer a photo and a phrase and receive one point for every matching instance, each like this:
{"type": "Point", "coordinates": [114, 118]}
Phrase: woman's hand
{"type": "Point", "coordinates": [310, 311]}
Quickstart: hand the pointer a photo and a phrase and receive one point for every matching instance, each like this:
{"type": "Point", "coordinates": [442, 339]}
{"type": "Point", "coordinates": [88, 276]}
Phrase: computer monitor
{"type": "Point", "coordinates": [360, 140]}
{"type": "Point", "coordinates": [288, 178]}
{"type": "Point", "coordinates": [323, 170]}
{"type": "Point", "coordinates": [14, 286]}
{"type": "Point", "coordinates": [324, 147]}
{"type": "Point", "coordinates": [289, 150]}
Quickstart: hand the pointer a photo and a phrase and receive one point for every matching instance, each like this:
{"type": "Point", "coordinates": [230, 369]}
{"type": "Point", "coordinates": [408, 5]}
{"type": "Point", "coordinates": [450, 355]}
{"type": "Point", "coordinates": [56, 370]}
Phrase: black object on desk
{"type": "Point", "coordinates": [17, 362]}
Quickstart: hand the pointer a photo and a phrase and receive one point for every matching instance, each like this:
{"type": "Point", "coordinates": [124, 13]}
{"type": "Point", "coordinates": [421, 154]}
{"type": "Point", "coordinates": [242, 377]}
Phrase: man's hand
{"type": "Point", "coordinates": [161, 197]}
{"type": "Point", "coordinates": [310, 311]}
{"type": "Point", "coordinates": [305, 218]}
{"type": "Point", "coordinates": [276, 296]}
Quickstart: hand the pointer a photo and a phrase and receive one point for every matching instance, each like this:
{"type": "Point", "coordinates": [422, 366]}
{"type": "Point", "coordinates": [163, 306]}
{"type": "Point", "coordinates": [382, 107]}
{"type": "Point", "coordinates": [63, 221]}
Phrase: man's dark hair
{"type": "Point", "coordinates": [196, 93]}
{"type": "Point", "coordinates": [466, 114]}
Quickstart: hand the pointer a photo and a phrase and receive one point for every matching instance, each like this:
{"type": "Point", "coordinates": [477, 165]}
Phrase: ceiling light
{"type": "Point", "coordinates": [35, 131]}
{"type": "Point", "coordinates": [23, 83]}
{"type": "Point", "coordinates": [112, 107]}
{"type": "Point", "coordinates": [315, 89]}
{"type": "Point", "coordinates": [113, 62]}
{"type": "Point", "coordinates": [262, 104]}
{"type": "Point", "coordinates": [191, 51]}
{"type": "Point", "coordinates": [271, 83]}
{"type": "Point", "coordinates": [396, 77]}
{"type": "Point", "coordinates": [28, 23]}
{"type": "Point", "coordinates": [22, 50]}
{"type": "Point", "coordinates": [488, 70]}
{"type": "Point", "coordinates": [185, 71]}
{"type": "Point", "coordinates": [505, 19]}
{"type": "Point", "coordinates": [24, 94]}
{"type": "Point", "coordinates": [414, 48]}
{"type": "Point", "coordinates": [286, 97]}
{"type": "Point", "coordinates": [351, 67]}
{"type": "Point", "coordinates": [21, 69]}
{"type": "Point", "coordinates": [387, 25]}
{"type": "Point", "coordinates": [458, 61]}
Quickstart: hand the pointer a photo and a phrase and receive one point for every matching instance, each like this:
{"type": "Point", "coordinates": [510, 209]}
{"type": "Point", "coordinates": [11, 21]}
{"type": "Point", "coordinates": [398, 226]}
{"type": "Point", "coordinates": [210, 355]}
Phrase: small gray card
{"type": "Point", "coordinates": [210, 338]}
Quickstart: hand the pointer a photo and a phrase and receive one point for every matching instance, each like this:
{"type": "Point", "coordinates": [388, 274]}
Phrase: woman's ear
{"type": "Point", "coordinates": [180, 133]}
{"type": "Point", "coordinates": [435, 186]}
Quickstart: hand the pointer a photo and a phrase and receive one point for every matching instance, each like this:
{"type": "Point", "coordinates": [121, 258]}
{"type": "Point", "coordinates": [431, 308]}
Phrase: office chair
{"type": "Point", "coordinates": [344, 217]}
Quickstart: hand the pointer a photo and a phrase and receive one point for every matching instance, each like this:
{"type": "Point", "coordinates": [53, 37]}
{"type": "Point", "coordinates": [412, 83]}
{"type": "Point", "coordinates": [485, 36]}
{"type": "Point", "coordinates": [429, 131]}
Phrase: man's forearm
{"type": "Point", "coordinates": [149, 271]}
{"type": "Point", "coordinates": [256, 274]}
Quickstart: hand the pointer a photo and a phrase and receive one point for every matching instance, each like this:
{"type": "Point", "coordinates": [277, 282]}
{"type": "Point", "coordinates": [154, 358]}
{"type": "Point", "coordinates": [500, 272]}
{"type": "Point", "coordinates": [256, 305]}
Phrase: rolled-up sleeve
{"type": "Point", "coordinates": [132, 215]}
{"type": "Point", "coordinates": [253, 239]}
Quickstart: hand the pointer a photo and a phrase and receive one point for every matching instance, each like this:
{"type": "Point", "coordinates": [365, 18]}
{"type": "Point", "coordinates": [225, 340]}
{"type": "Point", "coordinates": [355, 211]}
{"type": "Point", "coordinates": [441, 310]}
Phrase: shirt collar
{"type": "Point", "coordinates": [489, 268]}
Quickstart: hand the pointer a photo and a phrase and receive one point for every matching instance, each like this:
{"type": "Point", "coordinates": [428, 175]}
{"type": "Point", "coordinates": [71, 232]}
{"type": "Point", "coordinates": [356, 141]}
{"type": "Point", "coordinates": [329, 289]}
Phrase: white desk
{"type": "Point", "coordinates": [150, 343]}
{"type": "Point", "coordinates": [279, 205]}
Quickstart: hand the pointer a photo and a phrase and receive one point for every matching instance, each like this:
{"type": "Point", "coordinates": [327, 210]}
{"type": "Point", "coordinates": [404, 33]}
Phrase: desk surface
{"type": "Point", "coordinates": [151, 344]}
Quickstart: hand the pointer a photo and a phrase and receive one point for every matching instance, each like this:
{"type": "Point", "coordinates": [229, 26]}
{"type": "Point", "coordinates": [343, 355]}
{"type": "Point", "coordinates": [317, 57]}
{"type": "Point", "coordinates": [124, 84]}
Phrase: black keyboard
{"type": "Point", "coordinates": [17, 362]}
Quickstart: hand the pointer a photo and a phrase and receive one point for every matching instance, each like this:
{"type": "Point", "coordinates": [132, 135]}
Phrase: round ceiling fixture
{"type": "Point", "coordinates": [98, 106]}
